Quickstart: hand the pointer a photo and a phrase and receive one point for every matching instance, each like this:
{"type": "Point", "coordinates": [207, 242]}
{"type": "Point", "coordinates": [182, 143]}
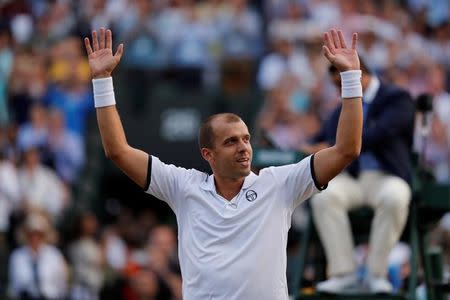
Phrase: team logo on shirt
{"type": "Point", "coordinates": [251, 195]}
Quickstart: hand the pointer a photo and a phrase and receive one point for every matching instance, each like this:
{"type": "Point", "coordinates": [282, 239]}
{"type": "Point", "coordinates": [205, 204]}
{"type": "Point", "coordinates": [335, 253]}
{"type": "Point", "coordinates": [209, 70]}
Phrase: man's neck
{"type": "Point", "coordinates": [228, 188]}
{"type": "Point", "coordinates": [34, 249]}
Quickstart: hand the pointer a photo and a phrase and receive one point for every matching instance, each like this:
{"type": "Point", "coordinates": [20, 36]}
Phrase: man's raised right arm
{"type": "Point", "coordinates": [133, 162]}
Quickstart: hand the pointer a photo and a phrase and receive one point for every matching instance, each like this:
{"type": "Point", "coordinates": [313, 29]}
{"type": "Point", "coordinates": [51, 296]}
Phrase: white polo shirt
{"type": "Point", "coordinates": [233, 250]}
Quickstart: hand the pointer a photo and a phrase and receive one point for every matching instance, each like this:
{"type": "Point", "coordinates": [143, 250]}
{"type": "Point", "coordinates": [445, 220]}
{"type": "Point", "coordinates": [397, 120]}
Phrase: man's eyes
{"type": "Point", "coordinates": [233, 141]}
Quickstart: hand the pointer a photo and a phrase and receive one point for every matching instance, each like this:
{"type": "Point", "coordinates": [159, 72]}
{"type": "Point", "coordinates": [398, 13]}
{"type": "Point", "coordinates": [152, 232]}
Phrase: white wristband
{"type": "Point", "coordinates": [103, 92]}
{"type": "Point", "coordinates": [351, 84]}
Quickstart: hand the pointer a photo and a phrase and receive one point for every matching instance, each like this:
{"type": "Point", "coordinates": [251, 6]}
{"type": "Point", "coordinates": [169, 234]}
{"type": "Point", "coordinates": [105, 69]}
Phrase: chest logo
{"type": "Point", "coordinates": [251, 195]}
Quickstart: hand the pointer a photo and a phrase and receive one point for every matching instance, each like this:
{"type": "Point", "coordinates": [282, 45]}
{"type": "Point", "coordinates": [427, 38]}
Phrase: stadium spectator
{"type": "Point", "coordinates": [436, 150]}
{"type": "Point", "coordinates": [138, 28]}
{"type": "Point", "coordinates": [440, 237]}
{"type": "Point", "coordinates": [6, 62]}
{"type": "Point", "coordinates": [115, 249]}
{"type": "Point", "coordinates": [9, 190]}
{"type": "Point", "coordinates": [9, 201]}
{"type": "Point", "coordinates": [37, 270]}
{"type": "Point", "coordinates": [144, 285]}
{"type": "Point", "coordinates": [286, 121]}
{"type": "Point", "coordinates": [95, 13]}
{"type": "Point", "coordinates": [35, 132]}
{"type": "Point", "coordinates": [41, 189]}
{"type": "Point", "coordinates": [163, 258]}
{"type": "Point", "coordinates": [27, 85]}
{"type": "Point", "coordinates": [240, 27]}
{"type": "Point", "coordinates": [70, 92]}
{"type": "Point", "coordinates": [277, 63]}
{"type": "Point", "coordinates": [190, 49]}
{"type": "Point", "coordinates": [65, 148]}
{"type": "Point", "coordinates": [87, 258]}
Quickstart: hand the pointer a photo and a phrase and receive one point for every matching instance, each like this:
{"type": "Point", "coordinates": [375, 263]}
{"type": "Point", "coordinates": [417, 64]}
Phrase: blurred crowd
{"type": "Point", "coordinates": [46, 100]}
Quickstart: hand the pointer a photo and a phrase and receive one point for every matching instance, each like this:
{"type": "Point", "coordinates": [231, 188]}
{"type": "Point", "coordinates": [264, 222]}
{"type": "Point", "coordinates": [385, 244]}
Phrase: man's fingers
{"type": "Point", "coordinates": [119, 52]}
{"type": "Point", "coordinates": [335, 38]}
{"type": "Point", "coordinates": [87, 44]}
{"type": "Point", "coordinates": [354, 40]}
{"type": "Point", "coordinates": [327, 53]}
{"type": "Point", "coordinates": [341, 39]}
{"type": "Point", "coordinates": [94, 40]}
{"type": "Point", "coordinates": [328, 43]}
{"type": "Point", "coordinates": [109, 39]}
{"type": "Point", "coordinates": [102, 38]}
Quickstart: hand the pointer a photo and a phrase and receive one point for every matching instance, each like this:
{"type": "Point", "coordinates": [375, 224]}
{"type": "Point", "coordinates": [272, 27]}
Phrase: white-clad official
{"type": "Point", "coordinates": [232, 225]}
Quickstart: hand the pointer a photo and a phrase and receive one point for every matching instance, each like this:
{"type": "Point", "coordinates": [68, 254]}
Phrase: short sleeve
{"type": "Point", "coordinates": [166, 182]}
{"type": "Point", "coordinates": [297, 181]}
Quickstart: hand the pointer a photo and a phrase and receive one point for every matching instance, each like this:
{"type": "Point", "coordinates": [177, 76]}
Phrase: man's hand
{"type": "Point", "coordinates": [101, 60]}
{"type": "Point", "coordinates": [336, 51]}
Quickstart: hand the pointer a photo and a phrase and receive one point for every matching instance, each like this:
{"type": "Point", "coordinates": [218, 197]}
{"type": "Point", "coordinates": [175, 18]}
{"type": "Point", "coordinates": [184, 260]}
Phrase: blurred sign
{"type": "Point", "coordinates": [180, 124]}
{"type": "Point", "coordinates": [272, 157]}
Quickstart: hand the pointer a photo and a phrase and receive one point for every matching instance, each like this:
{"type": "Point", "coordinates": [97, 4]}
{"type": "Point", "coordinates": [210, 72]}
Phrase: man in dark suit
{"type": "Point", "coordinates": [379, 179]}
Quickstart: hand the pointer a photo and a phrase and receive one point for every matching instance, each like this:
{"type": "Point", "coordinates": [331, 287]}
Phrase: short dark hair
{"type": "Point", "coordinates": [206, 132]}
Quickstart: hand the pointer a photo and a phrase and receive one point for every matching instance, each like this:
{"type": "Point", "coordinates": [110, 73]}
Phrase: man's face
{"type": "Point", "coordinates": [231, 155]}
{"type": "Point", "coordinates": [35, 239]}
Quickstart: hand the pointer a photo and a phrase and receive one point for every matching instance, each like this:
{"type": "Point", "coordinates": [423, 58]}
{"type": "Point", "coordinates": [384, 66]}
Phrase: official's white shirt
{"type": "Point", "coordinates": [233, 250]}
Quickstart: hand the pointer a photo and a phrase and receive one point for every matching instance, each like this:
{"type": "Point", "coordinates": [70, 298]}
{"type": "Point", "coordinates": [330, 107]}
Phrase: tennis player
{"type": "Point", "coordinates": [232, 224]}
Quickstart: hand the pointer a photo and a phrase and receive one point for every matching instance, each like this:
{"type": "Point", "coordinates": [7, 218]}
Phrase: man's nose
{"type": "Point", "coordinates": [243, 146]}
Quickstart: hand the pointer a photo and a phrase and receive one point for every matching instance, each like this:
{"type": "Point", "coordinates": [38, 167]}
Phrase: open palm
{"type": "Point", "coordinates": [101, 59]}
{"type": "Point", "coordinates": [338, 54]}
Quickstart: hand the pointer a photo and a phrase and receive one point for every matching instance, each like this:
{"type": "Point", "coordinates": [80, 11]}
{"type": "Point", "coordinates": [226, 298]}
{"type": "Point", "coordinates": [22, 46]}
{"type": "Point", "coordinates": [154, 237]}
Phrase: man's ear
{"type": "Point", "coordinates": [206, 154]}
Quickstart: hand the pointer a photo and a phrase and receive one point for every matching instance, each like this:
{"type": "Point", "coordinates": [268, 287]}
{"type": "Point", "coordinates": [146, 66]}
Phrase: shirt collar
{"type": "Point", "coordinates": [208, 183]}
{"type": "Point", "coordinates": [371, 90]}
{"type": "Point", "coordinates": [40, 251]}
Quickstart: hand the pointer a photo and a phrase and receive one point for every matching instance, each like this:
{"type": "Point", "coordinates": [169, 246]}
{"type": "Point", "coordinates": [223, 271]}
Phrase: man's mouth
{"type": "Point", "coordinates": [244, 161]}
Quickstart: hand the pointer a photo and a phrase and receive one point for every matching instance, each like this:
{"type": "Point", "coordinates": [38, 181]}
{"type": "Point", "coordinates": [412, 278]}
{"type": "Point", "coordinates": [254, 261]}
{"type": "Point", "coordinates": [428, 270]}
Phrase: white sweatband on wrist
{"type": "Point", "coordinates": [351, 84]}
{"type": "Point", "coordinates": [103, 92]}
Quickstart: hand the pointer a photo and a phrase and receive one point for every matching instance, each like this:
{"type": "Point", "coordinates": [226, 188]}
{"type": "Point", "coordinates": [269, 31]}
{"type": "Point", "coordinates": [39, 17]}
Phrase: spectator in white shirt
{"type": "Point", "coordinates": [9, 198]}
{"type": "Point", "coordinates": [41, 189]}
{"type": "Point", "coordinates": [37, 270]}
{"type": "Point", "coordinates": [9, 191]}
{"type": "Point", "coordinates": [87, 258]}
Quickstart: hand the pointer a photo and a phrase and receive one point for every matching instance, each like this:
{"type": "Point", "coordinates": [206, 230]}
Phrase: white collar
{"type": "Point", "coordinates": [371, 90]}
{"type": "Point", "coordinates": [209, 185]}
{"type": "Point", "coordinates": [37, 254]}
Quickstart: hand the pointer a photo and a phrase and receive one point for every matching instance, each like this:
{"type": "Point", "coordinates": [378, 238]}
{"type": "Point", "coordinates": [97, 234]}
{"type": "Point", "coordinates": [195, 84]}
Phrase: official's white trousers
{"type": "Point", "coordinates": [388, 195]}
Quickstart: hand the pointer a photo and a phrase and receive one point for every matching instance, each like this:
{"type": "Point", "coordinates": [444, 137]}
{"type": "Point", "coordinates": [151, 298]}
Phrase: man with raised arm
{"type": "Point", "coordinates": [233, 224]}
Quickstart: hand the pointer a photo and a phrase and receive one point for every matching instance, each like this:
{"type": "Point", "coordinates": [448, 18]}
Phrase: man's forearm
{"type": "Point", "coordinates": [349, 131]}
{"type": "Point", "coordinates": [111, 131]}
{"type": "Point", "coordinates": [133, 162]}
